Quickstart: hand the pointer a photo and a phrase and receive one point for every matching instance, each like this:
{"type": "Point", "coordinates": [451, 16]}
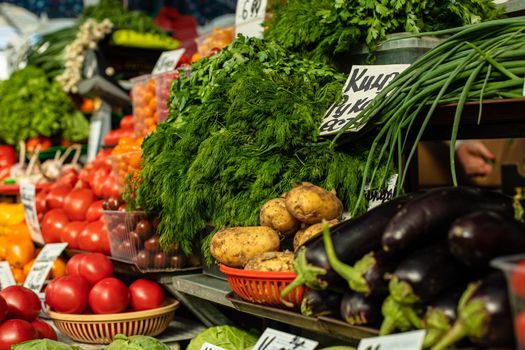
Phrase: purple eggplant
{"type": "Point", "coordinates": [479, 237]}
{"type": "Point", "coordinates": [357, 309]}
{"type": "Point", "coordinates": [321, 303]}
{"type": "Point", "coordinates": [484, 316]}
{"type": "Point", "coordinates": [421, 221]}
{"type": "Point", "coordinates": [369, 273]}
{"type": "Point", "coordinates": [441, 315]}
{"type": "Point", "coordinates": [352, 239]}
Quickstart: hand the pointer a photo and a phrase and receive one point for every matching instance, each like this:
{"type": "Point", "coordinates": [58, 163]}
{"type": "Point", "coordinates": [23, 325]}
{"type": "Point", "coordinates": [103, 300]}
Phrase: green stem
{"type": "Point", "coordinates": [411, 315]}
{"type": "Point", "coordinates": [388, 326]}
{"type": "Point", "coordinates": [306, 274]}
{"type": "Point", "coordinates": [457, 333]}
{"type": "Point", "coordinates": [432, 337]}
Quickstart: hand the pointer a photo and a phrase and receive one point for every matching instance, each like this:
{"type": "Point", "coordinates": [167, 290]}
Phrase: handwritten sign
{"type": "Point", "coordinates": [249, 17]}
{"type": "Point", "coordinates": [403, 341]}
{"type": "Point", "coordinates": [376, 198]}
{"type": "Point", "coordinates": [168, 61]}
{"type": "Point", "coordinates": [42, 266]}
{"type": "Point", "coordinates": [272, 339]}
{"type": "Point", "coordinates": [6, 275]}
{"type": "Point", "coordinates": [361, 87]}
{"type": "Point", "coordinates": [208, 346]}
{"type": "Point", "coordinates": [27, 196]}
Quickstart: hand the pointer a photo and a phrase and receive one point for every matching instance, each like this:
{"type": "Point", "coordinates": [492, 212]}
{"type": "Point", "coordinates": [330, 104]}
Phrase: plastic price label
{"type": "Point", "coordinates": [273, 339]}
{"type": "Point", "coordinates": [27, 196]}
{"type": "Point", "coordinates": [168, 61]}
{"type": "Point", "coordinates": [376, 198]}
{"type": "Point", "coordinates": [44, 262]}
{"type": "Point", "coordinates": [403, 341]}
{"type": "Point", "coordinates": [249, 16]}
{"type": "Point", "coordinates": [95, 131]}
{"type": "Point", "coordinates": [6, 275]}
{"type": "Point", "coordinates": [208, 346]}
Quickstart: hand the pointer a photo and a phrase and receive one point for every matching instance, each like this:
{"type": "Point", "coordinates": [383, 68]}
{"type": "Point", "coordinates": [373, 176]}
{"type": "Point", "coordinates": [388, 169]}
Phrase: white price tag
{"type": "Point", "coordinates": [403, 341]}
{"type": "Point", "coordinates": [361, 87]}
{"type": "Point", "coordinates": [376, 198]}
{"type": "Point", "coordinates": [27, 196]}
{"type": "Point", "coordinates": [168, 61]}
{"type": "Point", "coordinates": [95, 130]}
{"type": "Point", "coordinates": [44, 262]}
{"type": "Point", "coordinates": [6, 275]}
{"type": "Point", "coordinates": [523, 93]}
{"type": "Point", "coordinates": [249, 17]}
{"type": "Point", "coordinates": [208, 346]}
{"type": "Point", "coordinates": [272, 339]}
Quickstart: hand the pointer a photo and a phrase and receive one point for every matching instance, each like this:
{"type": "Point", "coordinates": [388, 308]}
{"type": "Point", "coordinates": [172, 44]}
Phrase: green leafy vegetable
{"type": "Point", "coordinates": [226, 337]}
{"type": "Point", "coordinates": [44, 344]}
{"type": "Point", "coordinates": [136, 342]}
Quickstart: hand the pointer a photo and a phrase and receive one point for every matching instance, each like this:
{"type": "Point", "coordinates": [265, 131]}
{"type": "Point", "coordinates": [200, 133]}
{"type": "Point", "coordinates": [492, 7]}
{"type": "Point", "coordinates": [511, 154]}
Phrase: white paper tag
{"type": "Point", "coordinates": [168, 61]}
{"type": "Point", "coordinates": [403, 341]}
{"type": "Point", "coordinates": [272, 339]}
{"type": "Point", "coordinates": [376, 198]}
{"type": "Point", "coordinates": [27, 196]}
{"type": "Point", "coordinates": [249, 17]}
{"type": "Point", "coordinates": [95, 129]}
{"type": "Point", "coordinates": [523, 93]}
{"type": "Point", "coordinates": [44, 262]}
{"type": "Point", "coordinates": [208, 346]}
{"type": "Point", "coordinates": [6, 275]}
{"type": "Point", "coordinates": [361, 87]}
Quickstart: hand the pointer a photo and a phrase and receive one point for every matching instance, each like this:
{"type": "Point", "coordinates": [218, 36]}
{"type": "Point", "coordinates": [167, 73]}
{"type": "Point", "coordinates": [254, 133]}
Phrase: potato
{"type": "Point", "coordinates": [303, 236]}
{"type": "Point", "coordinates": [272, 262]}
{"type": "Point", "coordinates": [275, 215]}
{"type": "Point", "coordinates": [311, 204]}
{"type": "Point", "coordinates": [235, 246]}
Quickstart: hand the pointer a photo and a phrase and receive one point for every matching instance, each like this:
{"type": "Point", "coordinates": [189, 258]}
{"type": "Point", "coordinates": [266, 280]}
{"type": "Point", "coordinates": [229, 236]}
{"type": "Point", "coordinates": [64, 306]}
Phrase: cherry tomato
{"type": "Point", "coordinates": [160, 260]}
{"type": "Point", "coordinates": [73, 265]}
{"type": "Point", "coordinates": [55, 197]}
{"type": "Point", "coordinates": [95, 267]}
{"type": "Point", "coordinates": [13, 332]}
{"type": "Point", "coordinates": [517, 279]}
{"type": "Point", "coordinates": [94, 211]}
{"type": "Point", "coordinates": [44, 330]}
{"type": "Point", "coordinates": [71, 232]}
{"type": "Point", "coordinates": [146, 295]}
{"type": "Point", "coordinates": [53, 224]}
{"type": "Point", "coordinates": [144, 229]}
{"type": "Point", "coordinates": [109, 296]}
{"type": "Point", "coordinates": [68, 294]}
{"type": "Point", "coordinates": [77, 203]}
{"type": "Point", "coordinates": [22, 303]}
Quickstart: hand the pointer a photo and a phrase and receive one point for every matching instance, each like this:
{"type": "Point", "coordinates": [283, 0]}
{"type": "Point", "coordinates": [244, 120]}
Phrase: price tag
{"type": "Point", "coordinates": [249, 17]}
{"type": "Point", "coordinates": [95, 129]}
{"type": "Point", "coordinates": [272, 339]}
{"type": "Point", "coordinates": [42, 266]}
{"type": "Point", "coordinates": [403, 341]}
{"type": "Point", "coordinates": [361, 87]}
{"type": "Point", "coordinates": [6, 275]}
{"type": "Point", "coordinates": [27, 196]}
{"type": "Point", "coordinates": [168, 61]}
{"type": "Point", "coordinates": [376, 198]}
{"type": "Point", "coordinates": [208, 346]}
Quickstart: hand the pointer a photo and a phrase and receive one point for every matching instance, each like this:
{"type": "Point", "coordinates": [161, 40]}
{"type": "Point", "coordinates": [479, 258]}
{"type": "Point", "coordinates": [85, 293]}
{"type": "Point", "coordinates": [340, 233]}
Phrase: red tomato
{"type": "Point", "coordinates": [3, 309]}
{"type": "Point", "coordinates": [44, 143]}
{"type": "Point", "coordinates": [127, 123]}
{"type": "Point", "coordinates": [68, 294]}
{"type": "Point", "coordinates": [7, 156]}
{"type": "Point", "coordinates": [44, 330]}
{"type": "Point", "coordinates": [21, 302]}
{"type": "Point", "coordinates": [86, 174]}
{"type": "Point", "coordinates": [55, 197]}
{"type": "Point", "coordinates": [146, 295]}
{"type": "Point", "coordinates": [77, 203]}
{"type": "Point", "coordinates": [109, 296]}
{"type": "Point", "coordinates": [13, 332]}
{"type": "Point", "coordinates": [40, 202]}
{"type": "Point", "coordinates": [97, 182]}
{"type": "Point", "coordinates": [73, 265]}
{"type": "Point", "coordinates": [94, 211]}
{"type": "Point", "coordinates": [517, 279]}
{"type": "Point", "coordinates": [111, 187]}
{"type": "Point", "coordinates": [71, 232]}
{"type": "Point", "coordinates": [92, 238]}
{"type": "Point", "coordinates": [95, 267]}
{"type": "Point", "coordinates": [69, 177]}
{"type": "Point", "coordinates": [53, 224]}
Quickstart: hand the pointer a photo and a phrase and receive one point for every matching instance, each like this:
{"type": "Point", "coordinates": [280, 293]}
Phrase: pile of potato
{"type": "Point", "coordinates": [296, 215]}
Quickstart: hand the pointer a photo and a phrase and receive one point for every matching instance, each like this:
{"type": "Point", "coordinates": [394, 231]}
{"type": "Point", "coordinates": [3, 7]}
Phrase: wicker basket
{"type": "Point", "coordinates": [264, 287]}
{"type": "Point", "coordinates": [100, 329]}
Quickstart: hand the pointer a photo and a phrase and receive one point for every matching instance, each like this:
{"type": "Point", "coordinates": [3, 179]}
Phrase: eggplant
{"type": "Point", "coordinates": [477, 238]}
{"type": "Point", "coordinates": [441, 315]}
{"type": "Point", "coordinates": [357, 309]}
{"type": "Point", "coordinates": [352, 239]}
{"type": "Point", "coordinates": [484, 316]}
{"type": "Point", "coordinates": [370, 271]}
{"type": "Point", "coordinates": [321, 303]}
{"type": "Point", "coordinates": [419, 221]}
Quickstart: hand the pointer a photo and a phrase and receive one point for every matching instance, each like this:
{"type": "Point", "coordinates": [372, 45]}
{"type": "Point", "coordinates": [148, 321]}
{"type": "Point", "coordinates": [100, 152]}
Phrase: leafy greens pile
{"type": "Point", "coordinates": [31, 105]}
{"type": "Point", "coordinates": [243, 129]}
{"type": "Point", "coordinates": [322, 29]}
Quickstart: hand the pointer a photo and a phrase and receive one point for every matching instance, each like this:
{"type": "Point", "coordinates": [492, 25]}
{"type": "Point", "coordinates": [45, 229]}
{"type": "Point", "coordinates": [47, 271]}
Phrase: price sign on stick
{"type": "Point", "coordinates": [249, 17]}
{"type": "Point", "coordinates": [168, 61]}
{"type": "Point", "coordinates": [6, 275]}
{"type": "Point", "coordinates": [376, 198]}
{"type": "Point", "coordinates": [27, 196]}
{"type": "Point", "coordinates": [272, 339]}
{"type": "Point", "coordinates": [403, 341]}
{"type": "Point", "coordinates": [42, 266]}
{"type": "Point", "coordinates": [208, 346]}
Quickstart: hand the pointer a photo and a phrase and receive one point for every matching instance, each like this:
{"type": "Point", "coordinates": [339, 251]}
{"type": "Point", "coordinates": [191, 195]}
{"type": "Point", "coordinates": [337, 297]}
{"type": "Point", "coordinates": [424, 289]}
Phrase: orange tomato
{"type": "Point", "coordinates": [19, 231]}
{"type": "Point", "coordinates": [148, 112]}
{"type": "Point", "coordinates": [151, 86]}
{"type": "Point", "coordinates": [149, 96]}
{"type": "Point", "coordinates": [20, 252]}
{"type": "Point", "coordinates": [4, 243]}
{"type": "Point", "coordinates": [153, 103]}
{"type": "Point", "coordinates": [18, 274]}
{"type": "Point", "coordinates": [28, 266]}
{"type": "Point", "coordinates": [149, 122]}
{"type": "Point", "coordinates": [58, 269]}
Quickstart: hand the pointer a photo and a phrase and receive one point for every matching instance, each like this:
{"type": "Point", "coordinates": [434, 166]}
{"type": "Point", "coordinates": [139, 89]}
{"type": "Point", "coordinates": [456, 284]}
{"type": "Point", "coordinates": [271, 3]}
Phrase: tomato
{"type": "Point", "coordinates": [44, 330]}
{"type": "Point", "coordinates": [68, 294]}
{"type": "Point", "coordinates": [95, 267]}
{"type": "Point", "coordinates": [92, 238]}
{"type": "Point", "coordinates": [126, 123]}
{"type": "Point", "coordinates": [146, 295]}
{"type": "Point", "coordinates": [3, 309]}
{"type": "Point", "coordinates": [55, 197]}
{"type": "Point", "coordinates": [69, 177]}
{"type": "Point", "coordinates": [94, 211]}
{"type": "Point", "coordinates": [517, 279]}
{"type": "Point", "coordinates": [19, 252]}
{"type": "Point", "coordinates": [13, 332]}
{"type": "Point", "coordinates": [97, 182]}
{"type": "Point", "coordinates": [58, 269]}
{"type": "Point", "coordinates": [77, 203]}
{"type": "Point", "coordinates": [73, 265]}
{"type": "Point", "coordinates": [53, 224]}
{"type": "Point", "coordinates": [21, 302]}
{"type": "Point", "coordinates": [71, 232]}
{"type": "Point", "coordinates": [40, 202]}
{"type": "Point", "coordinates": [111, 188]}
{"type": "Point", "coordinates": [44, 143]}
{"type": "Point", "coordinates": [109, 296]}
{"type": "Point", "coordinates": [7, 156]}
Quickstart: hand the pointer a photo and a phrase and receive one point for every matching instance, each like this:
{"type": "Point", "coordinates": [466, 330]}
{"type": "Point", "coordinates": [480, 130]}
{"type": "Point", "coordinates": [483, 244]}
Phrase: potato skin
{"type": "Point", "coordinates": [235, 246]}
{"type": "Point", "coordinates": [311, 204]}
{"type": "Point", "coordinates": [303, 236]}
{"type": "Point", "coordinates": [272, 262]}
{"type": "Point", "coordinates": [275, 215]}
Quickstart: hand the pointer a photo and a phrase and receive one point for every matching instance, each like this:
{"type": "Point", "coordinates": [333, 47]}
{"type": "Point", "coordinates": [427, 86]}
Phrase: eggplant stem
{"type": "Point", "coordinates": [457, 333]}
{"type": "Point", "coordinates": [412, 316]}
{"type": "Point", "coordinates": [306, 274]}
{"type": "Point", "coordinates": [402, 292]}
{"type": "Point", "coordinates": [432, 337]}
{"type": "Point", "coordinates": [388, 326]}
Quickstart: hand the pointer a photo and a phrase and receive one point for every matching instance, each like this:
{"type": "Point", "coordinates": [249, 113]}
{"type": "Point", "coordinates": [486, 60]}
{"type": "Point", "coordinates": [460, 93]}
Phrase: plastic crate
{"type": "Point", "coordinates": [144, 104]}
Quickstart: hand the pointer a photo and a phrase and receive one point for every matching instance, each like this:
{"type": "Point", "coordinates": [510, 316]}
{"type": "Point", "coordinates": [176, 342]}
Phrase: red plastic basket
{"type": "Point", "coordinates": [264, 287]}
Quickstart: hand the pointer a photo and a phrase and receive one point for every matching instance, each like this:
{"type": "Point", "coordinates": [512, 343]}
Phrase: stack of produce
{"type": "Point", "coordinates": [422, 261]}
{"type": "Point", "coordinates": [120, 342]}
